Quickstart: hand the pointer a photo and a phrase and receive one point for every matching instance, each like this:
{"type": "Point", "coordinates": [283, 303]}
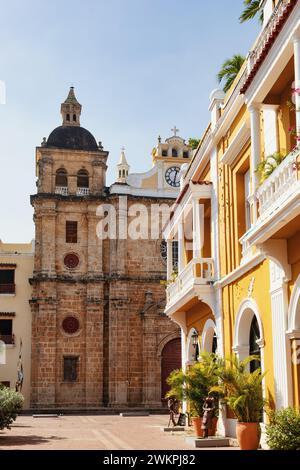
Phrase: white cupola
{"type": "Point", "coordinates": [122, 168]}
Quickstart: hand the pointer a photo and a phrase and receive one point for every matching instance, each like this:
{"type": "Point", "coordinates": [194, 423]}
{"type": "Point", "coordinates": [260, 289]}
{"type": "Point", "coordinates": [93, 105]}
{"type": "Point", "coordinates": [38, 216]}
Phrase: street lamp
{"type": "Point", "coordinates": [195, 338]}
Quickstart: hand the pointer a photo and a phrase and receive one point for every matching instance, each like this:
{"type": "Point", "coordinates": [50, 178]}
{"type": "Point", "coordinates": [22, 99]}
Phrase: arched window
{"type": "Point", "coordinates": [165, 153]}
{"type": "Point", "coordinates": [214, 348]}
{"type": "Point", "coordinates": [68, 117]}
{"type": "Point", "coordinates": [61, 178]}
{"type": "Point", "coordinates": [74, 117]}
{"type": "Point", "coordinates": [123, 173]}
{"type": "Point", "coordinates": [82, 179]}
{"type": "Point", "coordinates": [174, 153]}
{"type": "Point", "coordinates": [254, 349]}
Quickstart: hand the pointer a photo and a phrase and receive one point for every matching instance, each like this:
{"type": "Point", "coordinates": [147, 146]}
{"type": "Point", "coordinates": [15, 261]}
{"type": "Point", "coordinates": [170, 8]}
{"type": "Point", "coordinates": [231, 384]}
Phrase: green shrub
{"type": "Point", "coordinates": [11, 403]}
{"type": "Point", "coordinates": [283, 432]}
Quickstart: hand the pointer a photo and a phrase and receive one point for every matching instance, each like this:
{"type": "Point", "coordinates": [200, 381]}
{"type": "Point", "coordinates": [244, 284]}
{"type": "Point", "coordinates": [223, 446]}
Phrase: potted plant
{"type": "Point", "coordinates": [195, 386]}
{"type": "Point", "coordinates": [268, 165]}
{"type": "Point", "coordinates": [242, 390]}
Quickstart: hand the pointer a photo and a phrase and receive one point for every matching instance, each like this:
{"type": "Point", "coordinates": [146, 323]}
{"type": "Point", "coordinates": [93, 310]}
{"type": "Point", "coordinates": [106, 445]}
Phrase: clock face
{"type": "Point", "coordinates": [172, 176]}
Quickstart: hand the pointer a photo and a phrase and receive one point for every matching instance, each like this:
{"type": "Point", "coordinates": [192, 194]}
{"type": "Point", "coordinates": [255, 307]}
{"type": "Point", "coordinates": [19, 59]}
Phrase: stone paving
{"type": "Point", "coordinates": [91, 433]}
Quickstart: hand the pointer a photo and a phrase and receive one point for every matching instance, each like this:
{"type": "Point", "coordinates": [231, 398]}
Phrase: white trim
{"type": "Point", "coordinates": [277, 58]}
{"type": "Point", "coordinates": [208, 332]}
{"type": "Point", "coordinates": [239, 328]}
{"type": "Point", "coordinates": [241, 270]}
{"type": "Point", "coordinates": [282, 360]}
{"type": "Point", "coordinates": [242, 335]}
{"type": "Point", "coordinates": [190, 347]}
{"type": "Point", "coordinates": [294, 302]}
{"type": "Point", "coordinates": [237, 144]}
{"type": "Point", "coordinates": [120, 189]}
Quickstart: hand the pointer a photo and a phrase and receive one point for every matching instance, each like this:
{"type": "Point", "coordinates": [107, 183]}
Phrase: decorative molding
{"type": "Point", "coordinates": [237, 144]}
{"type": "Point", "coordinates": [7, 314]}
{"type": "Point", "coordinates": [241, 270]}
{"type": "Point", "coordinates": [293, 325]}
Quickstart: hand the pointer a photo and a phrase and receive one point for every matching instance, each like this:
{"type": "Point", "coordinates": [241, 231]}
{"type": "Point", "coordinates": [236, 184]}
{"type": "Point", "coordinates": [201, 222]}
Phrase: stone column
{"type": "Point", "coordinates": [45, 175]}
{"type": "Point", "coordinates": [48, 234]}
{"type": "Point", "coordinates": [281, 348]}
{"type": "Point", "coordinates": [94, 346]}
{"type": "Point", "coordinates": [254, 111]}
{"type": "Point", "coordinates": [296, 41]}
{"type": "Point", "coordinates": [95, 245]}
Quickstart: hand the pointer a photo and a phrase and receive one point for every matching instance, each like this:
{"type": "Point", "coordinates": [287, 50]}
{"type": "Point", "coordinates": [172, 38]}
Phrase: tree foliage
{"type": "Point", "coordinates": [11, 403]}
{"type": "Point", "coordinates": [283, 432]}
{"type": "Point", "coordinates": [252, 9]}
{"type": "Point", "coordinates": [196, 383]}
{"type": "Point", "coordinates": [229, 70]}
{"type": "Point", "coordinates": [193, 143]}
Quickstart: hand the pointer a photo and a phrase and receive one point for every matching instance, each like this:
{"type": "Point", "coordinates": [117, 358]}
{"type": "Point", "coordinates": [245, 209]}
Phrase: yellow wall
{"type": "Point", "coordinates": [233, 295]}
{"type": "Point", "coordinates": [197, 316]}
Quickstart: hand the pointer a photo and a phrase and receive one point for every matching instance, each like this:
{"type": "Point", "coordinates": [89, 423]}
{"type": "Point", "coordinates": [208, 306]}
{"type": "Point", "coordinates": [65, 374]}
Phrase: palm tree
{"type": "Point", "coordinates": [230, 70]}
{"type": "Point", "coordinates": [252, 8]}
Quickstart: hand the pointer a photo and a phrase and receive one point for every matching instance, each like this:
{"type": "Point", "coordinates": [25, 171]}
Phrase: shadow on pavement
{"type": "Point", "coordinates": [7, 441]}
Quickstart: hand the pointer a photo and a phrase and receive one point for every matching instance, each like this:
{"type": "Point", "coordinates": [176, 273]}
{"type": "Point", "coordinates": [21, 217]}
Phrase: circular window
{"type": "Point", "coordinates": [70, 325]}
{"type": "Point", "coordinates": [71, 261]}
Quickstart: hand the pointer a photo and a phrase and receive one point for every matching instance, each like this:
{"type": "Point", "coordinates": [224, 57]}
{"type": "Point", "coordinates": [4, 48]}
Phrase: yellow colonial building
{"type": "Point", "coordinates": [16, 268]}
{"type": "Point", "coordinates": [237, 218]}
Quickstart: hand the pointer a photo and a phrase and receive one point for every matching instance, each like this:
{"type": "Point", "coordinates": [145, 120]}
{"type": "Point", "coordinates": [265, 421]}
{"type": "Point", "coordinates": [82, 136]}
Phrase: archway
{"type": "Point", "coordinates": [294, 308]}
{"type": "Point", "coordinates": [170, 360]}
{"type": "Point", "coordinates": [249, 337]}
{"type": "Point", "coordinates": [244, 325]}
{"type": "Point", "coordinates": [209, 337]}
{"type": "Point", "coordinates": [193, 349]}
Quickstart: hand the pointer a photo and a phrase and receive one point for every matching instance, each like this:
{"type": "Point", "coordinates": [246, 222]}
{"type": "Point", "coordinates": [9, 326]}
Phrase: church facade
{"type": "Point", "coordinates": [100, 337]}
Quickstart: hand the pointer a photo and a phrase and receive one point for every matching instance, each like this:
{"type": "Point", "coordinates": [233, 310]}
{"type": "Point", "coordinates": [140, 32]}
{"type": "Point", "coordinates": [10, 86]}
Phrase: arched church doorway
{"type": "Point", "coordinates": [170, 360]}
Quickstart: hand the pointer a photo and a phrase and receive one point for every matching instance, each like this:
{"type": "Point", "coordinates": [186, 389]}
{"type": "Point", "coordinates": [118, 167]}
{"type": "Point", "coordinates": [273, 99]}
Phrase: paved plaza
{"type": "Point", "coordinates": [91, 433]}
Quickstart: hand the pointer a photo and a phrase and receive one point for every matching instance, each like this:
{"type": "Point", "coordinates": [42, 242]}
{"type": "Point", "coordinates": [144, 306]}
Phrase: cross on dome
{"type": "Point", "coordinates": [175, 130]}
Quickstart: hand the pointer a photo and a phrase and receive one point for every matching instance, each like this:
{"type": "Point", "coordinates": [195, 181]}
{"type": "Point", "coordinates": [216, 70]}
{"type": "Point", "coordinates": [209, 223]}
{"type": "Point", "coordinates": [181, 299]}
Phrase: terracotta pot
{"type": "Point", "coordinates": [248, 435]}
{"type": "Point", "coordinates": [213, 430]}
{"type": "Point", "coordinates": [197, 423]}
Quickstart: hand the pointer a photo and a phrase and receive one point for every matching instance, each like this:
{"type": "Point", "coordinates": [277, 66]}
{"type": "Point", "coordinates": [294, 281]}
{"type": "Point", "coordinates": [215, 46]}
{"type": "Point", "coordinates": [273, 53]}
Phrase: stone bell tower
{"type": "Point", "coordinates": [67, 302]}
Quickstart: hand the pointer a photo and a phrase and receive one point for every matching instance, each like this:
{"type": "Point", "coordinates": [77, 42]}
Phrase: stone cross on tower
{"type": "Point", "coordinates": [175, 130]}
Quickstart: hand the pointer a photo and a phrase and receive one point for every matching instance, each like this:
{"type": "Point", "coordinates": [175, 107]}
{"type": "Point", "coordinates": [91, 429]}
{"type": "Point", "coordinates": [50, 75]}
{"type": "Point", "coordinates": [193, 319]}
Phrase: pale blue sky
{"type": "Point", "coordinates": [138, 67]}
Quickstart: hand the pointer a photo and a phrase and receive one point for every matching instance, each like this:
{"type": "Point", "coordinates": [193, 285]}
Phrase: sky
{"type": "Point", "coordinates": [139, 67]}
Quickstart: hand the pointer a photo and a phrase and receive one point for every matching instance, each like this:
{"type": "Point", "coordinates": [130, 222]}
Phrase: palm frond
{"type": "Point", "coordinates": [252, 8]}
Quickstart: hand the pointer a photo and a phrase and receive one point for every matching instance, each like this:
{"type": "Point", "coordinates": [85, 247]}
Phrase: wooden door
{"type": "Point", "coordinates": [170, 360]}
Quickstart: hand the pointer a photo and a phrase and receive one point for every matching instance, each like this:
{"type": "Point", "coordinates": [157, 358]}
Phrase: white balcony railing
{"type": "Point", "coordinates": [62, 190]}
{"type": "Point", "coordinates": [279, 186]}
{"type": "Point", "coordinates": [83, 191]}
{"type": "Point", "coordinates": [198, 272]}
{"type": "Point", "coordinates": [268, 31]}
